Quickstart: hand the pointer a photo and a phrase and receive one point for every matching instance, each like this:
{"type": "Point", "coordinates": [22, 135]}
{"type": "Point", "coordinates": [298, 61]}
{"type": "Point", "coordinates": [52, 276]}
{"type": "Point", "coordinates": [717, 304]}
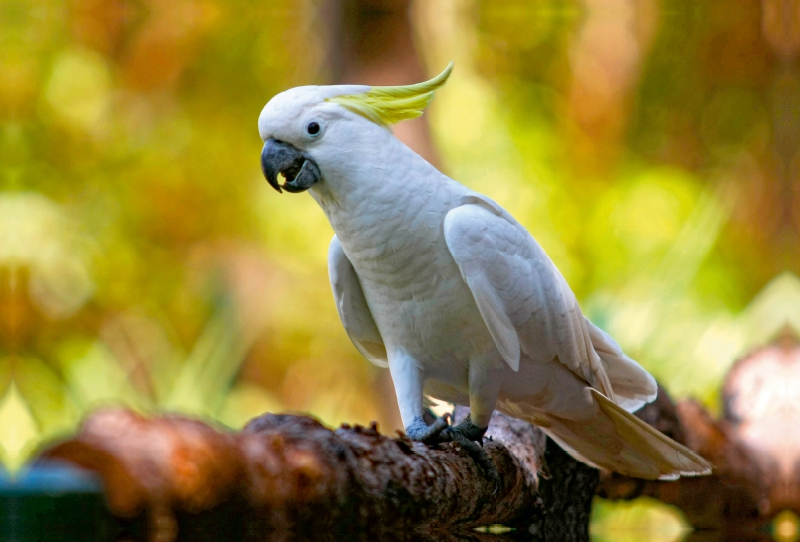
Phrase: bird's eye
{"type": "Point", "coordinates": [313, 128]}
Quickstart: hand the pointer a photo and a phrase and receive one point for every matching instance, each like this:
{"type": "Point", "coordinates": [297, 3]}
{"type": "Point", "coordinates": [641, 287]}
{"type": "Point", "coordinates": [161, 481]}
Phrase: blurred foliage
{"type": "Point", "coordinates": [786, 527]}
{"type": "Point", "coordinates": [639, 520]}
{"type": "Point", "coordinates": [647, 144]}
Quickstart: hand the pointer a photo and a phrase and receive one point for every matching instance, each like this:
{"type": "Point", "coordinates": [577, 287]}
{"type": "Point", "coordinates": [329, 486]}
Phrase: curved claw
{"type": "Point", "coordinates": [478, 454]}
{"type": "Point", "coordinates": [466, 434]}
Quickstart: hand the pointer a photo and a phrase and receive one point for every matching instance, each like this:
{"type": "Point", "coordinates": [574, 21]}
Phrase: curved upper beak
{"type": "Point", "coordinates": [297, 167]}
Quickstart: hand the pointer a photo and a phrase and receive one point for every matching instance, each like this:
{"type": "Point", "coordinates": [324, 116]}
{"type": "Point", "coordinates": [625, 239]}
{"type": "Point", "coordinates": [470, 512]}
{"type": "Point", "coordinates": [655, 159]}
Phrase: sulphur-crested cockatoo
{"type": "Point", "coordinates": [448, 290]}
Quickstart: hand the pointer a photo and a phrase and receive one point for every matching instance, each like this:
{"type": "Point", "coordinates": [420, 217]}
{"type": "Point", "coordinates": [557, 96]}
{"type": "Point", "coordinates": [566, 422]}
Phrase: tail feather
{"type": "Point", "coordinates": [618, 441]}
{"type": "Point", "coordinates": [671, 457]}
{"type": "Point", "coordinates": [633, 386]}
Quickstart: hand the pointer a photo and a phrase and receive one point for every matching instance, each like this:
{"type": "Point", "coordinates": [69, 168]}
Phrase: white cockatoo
{"type": "Point", "coordinates": [448, 290]}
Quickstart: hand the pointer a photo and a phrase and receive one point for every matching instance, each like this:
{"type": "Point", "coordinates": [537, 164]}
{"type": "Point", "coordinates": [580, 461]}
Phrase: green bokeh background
{"type": "Point", "coordinates": [649, 145]}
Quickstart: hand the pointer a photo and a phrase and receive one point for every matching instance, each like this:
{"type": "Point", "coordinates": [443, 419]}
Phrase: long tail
{"type": "Point", "coordinates": [633, 386]}
{"type": "Point", "coordinates": [616, 440]}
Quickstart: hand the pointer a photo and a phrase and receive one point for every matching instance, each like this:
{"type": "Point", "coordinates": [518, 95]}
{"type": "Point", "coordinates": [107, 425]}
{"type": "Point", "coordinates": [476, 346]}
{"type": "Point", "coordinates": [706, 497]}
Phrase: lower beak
{"type": "Point", "coordinates": [297, 167]}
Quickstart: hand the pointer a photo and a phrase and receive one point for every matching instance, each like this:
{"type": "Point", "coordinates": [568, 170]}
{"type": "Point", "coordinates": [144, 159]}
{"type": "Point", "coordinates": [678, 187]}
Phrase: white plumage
{"type": "Point", "coordinates": [448, 290]}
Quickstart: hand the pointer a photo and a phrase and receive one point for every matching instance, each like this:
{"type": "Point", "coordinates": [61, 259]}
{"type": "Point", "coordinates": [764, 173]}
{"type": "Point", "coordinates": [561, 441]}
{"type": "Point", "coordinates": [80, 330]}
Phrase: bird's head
{"type": "Point", "coordinates": [307, 129]}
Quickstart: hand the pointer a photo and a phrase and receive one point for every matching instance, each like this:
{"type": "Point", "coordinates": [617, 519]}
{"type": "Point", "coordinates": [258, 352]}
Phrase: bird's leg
{"type": "Point", "coordinates": [484, 386]}
{"type": "Point", "coordinates": [407, 379]}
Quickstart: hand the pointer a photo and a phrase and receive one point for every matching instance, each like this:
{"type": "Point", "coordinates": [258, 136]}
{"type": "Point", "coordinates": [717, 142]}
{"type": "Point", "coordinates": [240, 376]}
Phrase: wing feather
{"type": "Point", "coordinates": [520, 292]}
{"type": "Point", "coordinates": [352, 306]}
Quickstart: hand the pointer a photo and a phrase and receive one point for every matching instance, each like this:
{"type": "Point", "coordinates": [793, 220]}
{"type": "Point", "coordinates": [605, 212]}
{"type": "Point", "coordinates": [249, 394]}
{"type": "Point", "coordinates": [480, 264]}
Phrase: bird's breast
{"type": "Point", "coordinates": [392, 231]}
{"type": "Point", "coordinates": [415, 291]}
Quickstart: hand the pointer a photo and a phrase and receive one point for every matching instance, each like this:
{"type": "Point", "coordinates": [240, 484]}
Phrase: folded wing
{"type": "Point", "coordinates": [528, 306]}
{"type": "Point", "coordinates": [352, 306]}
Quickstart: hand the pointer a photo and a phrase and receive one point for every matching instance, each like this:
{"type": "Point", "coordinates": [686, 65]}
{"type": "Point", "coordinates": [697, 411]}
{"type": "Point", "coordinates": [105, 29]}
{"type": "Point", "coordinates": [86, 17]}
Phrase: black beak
{"type": "Point", "coordinates": [297, 167]}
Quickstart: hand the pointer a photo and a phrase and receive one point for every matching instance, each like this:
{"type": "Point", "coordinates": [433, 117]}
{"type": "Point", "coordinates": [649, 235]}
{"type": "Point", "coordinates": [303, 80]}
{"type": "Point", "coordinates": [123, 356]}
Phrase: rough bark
{"type": "Point", "coordinates": [567, 490]}
{"type": "Point", "coordinates": [290, 474]}
{"type": "Point", "coordinates": [565, 487]}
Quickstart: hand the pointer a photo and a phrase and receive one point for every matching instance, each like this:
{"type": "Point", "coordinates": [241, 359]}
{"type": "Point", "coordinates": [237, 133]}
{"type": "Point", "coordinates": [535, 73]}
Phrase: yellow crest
{"type": "Point", "coordinates": [390, 105]}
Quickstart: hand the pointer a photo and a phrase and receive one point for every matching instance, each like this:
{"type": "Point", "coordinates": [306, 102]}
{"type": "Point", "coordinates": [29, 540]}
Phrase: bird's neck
{"type": "Point", "coordinates": [382, 179]}
{"type": "Point", "coordinates": [389, 192]}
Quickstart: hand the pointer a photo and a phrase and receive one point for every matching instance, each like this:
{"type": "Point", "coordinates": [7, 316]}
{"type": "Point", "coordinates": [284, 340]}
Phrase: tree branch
{"type": "Point", "coordinates": [288, 473]}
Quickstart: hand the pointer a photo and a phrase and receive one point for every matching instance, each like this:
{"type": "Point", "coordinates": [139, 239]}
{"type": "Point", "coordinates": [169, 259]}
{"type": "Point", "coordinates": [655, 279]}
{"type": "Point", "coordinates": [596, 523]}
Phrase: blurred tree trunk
{"type": "Point", "coordinates": [372, 42]}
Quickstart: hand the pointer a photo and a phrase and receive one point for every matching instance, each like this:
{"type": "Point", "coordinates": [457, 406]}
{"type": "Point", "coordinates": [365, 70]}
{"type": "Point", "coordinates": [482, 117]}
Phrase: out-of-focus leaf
{"type": "Point", "coordinates": [19, 433]}
{"type": "Point", "coordinates": [643, 519]}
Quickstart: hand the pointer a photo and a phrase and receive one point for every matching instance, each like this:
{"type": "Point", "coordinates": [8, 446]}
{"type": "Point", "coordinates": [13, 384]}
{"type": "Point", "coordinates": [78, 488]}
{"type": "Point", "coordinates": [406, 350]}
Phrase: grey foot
{"type": "Point", "coordinates": [429, 434]}
{"type": "Point", "coordinates": [469, 430]}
